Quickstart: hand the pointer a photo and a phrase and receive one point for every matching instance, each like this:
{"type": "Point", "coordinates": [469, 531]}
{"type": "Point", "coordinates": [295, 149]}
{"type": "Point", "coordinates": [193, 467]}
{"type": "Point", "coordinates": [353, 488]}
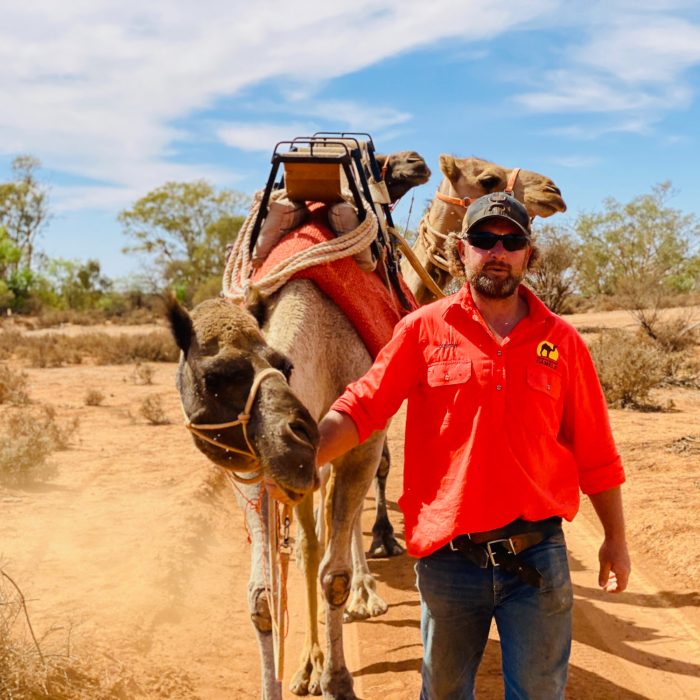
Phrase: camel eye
{"type": "Point", "coordinates": [279, 361]}
{"type": "Point", "coordinates": [489, 182]}
{"type": "Point", "coordinates": [224, 375]}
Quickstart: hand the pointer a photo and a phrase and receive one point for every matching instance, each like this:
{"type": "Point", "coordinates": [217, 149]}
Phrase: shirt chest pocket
{"type": "Point", "coordinates": [449, 372]}
{"type": "Point", "coordinates": [544, 382]}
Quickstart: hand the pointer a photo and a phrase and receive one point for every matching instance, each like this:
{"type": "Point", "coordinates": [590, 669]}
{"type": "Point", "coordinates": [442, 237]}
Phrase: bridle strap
{"type": "Point", "coordinates": [466, 201]}
{"type": "Point", "coordinates": [512, 179]}
{"type": "Point", "coordinates": [242, 420]}
{"type": "Point", "coordinates": [457, 201]}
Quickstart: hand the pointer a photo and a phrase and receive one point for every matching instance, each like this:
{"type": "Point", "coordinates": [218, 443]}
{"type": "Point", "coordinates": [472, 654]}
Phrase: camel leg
{"type": "Point", "coordinates": [384, 544]}
{"type": "Point", "coordinates": [259, 584]}
{"type": "Point", "coordinates": [350, 479]}
{"type": "Point", "coordinates": [307, 680]}
{"type": "Point", "coordinates": [364, 600]}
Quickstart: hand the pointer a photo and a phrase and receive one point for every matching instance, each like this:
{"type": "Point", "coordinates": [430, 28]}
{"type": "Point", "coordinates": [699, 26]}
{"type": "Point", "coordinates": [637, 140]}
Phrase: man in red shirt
{"type": "Point", "coordinates": [506, 422]}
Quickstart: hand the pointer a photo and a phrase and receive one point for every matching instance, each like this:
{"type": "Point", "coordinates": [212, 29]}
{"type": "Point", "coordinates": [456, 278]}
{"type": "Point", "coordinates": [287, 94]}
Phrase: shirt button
{"type": "Point", "coordinates": [447, 376]}
{"type": "Point", "coordinates": [499, 353]}
{"type": "Point", "coordinates": [498, 387]}
{"type": "Point", "coordinates": [549, 387]}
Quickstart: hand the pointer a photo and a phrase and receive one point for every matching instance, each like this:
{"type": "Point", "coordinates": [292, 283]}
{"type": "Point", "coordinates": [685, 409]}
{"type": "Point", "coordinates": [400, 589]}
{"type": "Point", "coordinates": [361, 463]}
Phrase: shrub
{"type": "Point", "coordinates": [50, 669]}
{"type": "Point", "coordinates": [56, 349]}
{"type": "Point", "coordinates": [29, 439]}
{"type": "Point", "coordinates": [93, 397]}
{"type": "Point", "coordinates": [13, 386]}
{"type": "Point", "coordinates": [9, 341]}
{"type": "Point", "coordinates": [142, 374]}
{"type": "Point", "coordinates": [152, 410]}
{"type": "Point", "coordinates": [629, 367]}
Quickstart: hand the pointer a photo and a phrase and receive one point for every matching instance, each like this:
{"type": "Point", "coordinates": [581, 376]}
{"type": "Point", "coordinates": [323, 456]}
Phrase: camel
{"type": "Point", "coordinates": [303, 334]}
{"type": "Point", "coordinates": [466, 179]}
{"type": "Point", "coordinates": [221, 352]}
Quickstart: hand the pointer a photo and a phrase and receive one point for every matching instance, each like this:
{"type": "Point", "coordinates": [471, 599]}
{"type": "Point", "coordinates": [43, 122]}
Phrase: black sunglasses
{"type": "Point", "coordinates": [487, 240]}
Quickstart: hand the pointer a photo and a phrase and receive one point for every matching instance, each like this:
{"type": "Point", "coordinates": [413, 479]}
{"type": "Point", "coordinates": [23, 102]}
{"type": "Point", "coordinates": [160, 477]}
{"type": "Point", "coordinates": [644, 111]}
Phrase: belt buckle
{"type": "Point", "coordinates": [491, 553]}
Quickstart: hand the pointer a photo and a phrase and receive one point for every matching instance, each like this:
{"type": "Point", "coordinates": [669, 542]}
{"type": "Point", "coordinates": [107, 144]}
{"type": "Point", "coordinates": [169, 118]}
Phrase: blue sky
{"type": "Point", "coordinates": [118, 97]}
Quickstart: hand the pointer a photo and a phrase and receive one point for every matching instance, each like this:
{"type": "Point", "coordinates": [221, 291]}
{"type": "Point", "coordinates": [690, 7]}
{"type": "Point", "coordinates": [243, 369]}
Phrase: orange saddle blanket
{"type": "Point", "coordinates": [362, 296]}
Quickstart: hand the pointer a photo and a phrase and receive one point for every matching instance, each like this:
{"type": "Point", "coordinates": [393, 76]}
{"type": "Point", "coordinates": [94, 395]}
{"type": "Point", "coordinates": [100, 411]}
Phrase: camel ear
{"type": "Point", "coordinates": [180, 322]}
{"type": "Point", "coordinates": [255, 306]}
{"type": "Point", "coordinates": [381, 159]}
{"type": "Point", "coordinates": [448, 165]}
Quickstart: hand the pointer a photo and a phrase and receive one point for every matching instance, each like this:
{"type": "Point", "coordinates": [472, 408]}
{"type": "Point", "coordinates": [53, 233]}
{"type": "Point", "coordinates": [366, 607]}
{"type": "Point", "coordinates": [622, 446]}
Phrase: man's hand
{"type": "Point", "coordinates": [613, 556]}
{"type": "Point", "coordinates": [615, 566]}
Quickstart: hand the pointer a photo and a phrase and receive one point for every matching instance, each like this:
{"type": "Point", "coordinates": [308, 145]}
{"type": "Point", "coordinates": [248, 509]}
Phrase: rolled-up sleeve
{"type": "Point", "coordinates": [586, 428]}
{"type": "Point", "coordinates": [374, 398]}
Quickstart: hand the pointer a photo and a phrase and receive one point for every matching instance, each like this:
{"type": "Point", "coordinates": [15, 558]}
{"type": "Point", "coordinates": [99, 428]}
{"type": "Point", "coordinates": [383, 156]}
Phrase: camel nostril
{"type": "Point", "coordinates": [300, 432]}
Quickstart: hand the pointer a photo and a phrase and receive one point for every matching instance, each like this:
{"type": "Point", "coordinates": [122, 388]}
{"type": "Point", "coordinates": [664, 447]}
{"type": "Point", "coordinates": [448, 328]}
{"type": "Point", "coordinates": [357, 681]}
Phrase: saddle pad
{"type": "Point", "coordinates": [361, 296]}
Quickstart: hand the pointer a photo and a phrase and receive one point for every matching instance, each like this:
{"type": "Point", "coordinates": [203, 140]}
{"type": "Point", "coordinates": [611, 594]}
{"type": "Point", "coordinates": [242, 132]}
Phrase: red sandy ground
{"type": "Point", "coordinates": [137, 550]}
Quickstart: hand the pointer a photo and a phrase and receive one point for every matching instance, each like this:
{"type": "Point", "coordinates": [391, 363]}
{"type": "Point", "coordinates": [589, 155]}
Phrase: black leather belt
{"type": "Point", "coordinates": [501, 547]}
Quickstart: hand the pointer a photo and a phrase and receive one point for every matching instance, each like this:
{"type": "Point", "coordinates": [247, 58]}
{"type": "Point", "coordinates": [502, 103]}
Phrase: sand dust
{"type": "Point", "coordinates": [137, 549]}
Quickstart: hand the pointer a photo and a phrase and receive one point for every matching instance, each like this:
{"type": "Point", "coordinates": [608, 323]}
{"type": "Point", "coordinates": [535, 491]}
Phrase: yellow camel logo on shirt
{"type": "Point", "coordinates": [548, 350]}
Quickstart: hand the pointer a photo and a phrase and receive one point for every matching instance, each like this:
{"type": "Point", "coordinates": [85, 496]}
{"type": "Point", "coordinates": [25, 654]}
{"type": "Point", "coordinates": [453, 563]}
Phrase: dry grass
{"type": "Point", "coordinates": [94, 397]}
{"type": "Point", "coordinates": [152, 410]}
{"type": "Point", "coordinates": [628, 366]}
{"type": "Point", "coordinates": [142, 374]}
{"type": "Point", "coordinates": [44, 668]}
{"type": "Point", "coordinates": [56, 349]}
{"type": "Point", "coordinates": [30, 436]}
{"type": "Point", "coordinates": [13, 386]}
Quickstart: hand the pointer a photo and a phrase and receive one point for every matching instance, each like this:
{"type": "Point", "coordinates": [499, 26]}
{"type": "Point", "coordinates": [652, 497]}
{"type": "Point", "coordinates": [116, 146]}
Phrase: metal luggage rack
{"type": "Point", "coordinates": [312, 172]}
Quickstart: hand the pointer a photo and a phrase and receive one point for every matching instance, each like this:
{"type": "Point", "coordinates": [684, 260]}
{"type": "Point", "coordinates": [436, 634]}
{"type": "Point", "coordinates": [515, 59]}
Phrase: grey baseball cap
{"type": "Point", "coordinates": [497, 205]}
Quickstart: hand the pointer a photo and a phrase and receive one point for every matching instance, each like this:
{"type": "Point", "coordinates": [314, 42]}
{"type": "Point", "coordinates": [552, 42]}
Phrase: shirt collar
{"type": "Point", "coordinates": [464, 301]}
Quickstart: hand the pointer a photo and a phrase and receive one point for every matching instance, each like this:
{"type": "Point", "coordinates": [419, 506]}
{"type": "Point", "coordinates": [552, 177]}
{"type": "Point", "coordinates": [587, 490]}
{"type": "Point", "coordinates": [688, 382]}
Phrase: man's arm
{"type": "Point", "coordinates": [614, 558]}
{"type": "Point", "coordinates": [338, 435]}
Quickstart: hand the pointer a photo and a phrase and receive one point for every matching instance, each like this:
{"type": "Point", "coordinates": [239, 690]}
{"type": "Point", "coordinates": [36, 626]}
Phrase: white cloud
{"type": "Point", "coordinates": [576, 161]}
{"type": "Point", "coordinates": [261, 137]}
{"type": "Point", "coordinates": [94, 87]}
{"type": "Point", "coordinates": [648, 48]}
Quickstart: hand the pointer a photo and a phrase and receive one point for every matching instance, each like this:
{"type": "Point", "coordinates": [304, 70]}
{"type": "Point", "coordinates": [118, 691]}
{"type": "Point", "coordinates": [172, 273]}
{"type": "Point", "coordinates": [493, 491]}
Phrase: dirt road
{"type": "Point", "coordinates": [137, 550]}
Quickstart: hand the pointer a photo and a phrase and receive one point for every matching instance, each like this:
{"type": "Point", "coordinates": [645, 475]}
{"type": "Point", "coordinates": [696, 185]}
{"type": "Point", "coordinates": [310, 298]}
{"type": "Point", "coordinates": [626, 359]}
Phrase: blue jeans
{"type": "Point", "coordinates": [458, 602]}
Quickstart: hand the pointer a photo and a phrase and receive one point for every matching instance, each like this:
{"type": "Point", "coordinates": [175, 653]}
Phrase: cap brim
{"type": "Point", "coordinates": [493, 217]}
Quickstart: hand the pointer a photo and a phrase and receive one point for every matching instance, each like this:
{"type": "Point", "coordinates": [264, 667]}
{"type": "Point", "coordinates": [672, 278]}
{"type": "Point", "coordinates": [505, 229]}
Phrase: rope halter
{"type": "Point", "coordinates": [242, 420]}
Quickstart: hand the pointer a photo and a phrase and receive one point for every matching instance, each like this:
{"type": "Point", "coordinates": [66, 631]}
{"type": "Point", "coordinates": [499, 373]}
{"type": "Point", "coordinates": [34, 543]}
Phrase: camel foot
{"type": "Point", "coordinates": [384, 544]}
{"type": "Point", "coordinates": [364, 600]}
{"type": "Point", "coordinates": [337, 685]}
{"type": "Point", "coordinates": [307, 680]}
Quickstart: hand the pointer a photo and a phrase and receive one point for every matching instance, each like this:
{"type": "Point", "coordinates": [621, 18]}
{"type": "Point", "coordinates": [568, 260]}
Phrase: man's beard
{"type": "Point", "coordinates": [500, 288]}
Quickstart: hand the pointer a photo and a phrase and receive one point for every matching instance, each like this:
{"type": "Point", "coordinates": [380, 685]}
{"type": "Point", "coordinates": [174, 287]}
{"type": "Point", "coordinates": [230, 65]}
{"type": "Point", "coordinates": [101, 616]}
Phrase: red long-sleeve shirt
{"type": "Point", "coordinates": [493, 432]}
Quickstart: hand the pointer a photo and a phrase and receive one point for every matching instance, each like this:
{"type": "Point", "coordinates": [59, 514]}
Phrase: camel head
{"type": "Point", "coordinates": [474, 177]}
{"type": "Point", "coordinates": [223, 353]}
{"type": "Point", "coordinates": [403, 170]}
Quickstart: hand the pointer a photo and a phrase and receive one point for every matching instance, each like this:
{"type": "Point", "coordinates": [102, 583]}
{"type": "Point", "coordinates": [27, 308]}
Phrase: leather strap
{"type": "Point", "coordinates": [466, 201]}
{"type": "Point", "coordinates": [457, 201]}
{"type": "Point", "coordinates": [501, 547]}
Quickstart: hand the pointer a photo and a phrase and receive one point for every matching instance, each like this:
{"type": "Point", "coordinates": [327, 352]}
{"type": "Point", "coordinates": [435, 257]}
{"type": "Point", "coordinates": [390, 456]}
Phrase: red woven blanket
{"type": "Point", "coordinates": [362, 296]}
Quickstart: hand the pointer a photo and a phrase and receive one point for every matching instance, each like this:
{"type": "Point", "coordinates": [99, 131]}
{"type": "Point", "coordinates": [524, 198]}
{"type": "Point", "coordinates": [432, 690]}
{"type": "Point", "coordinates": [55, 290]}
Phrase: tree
{"type": "Point", "coordinates": [185, 226]}
{"type": "Point", "coordinates": [553, 279]}
{"type": "Point", "coordinates": [24, 209]}
{"type": "Point", "coordinates": [77, 285]}
{"type": "Point", "coordinates": [637, 251]}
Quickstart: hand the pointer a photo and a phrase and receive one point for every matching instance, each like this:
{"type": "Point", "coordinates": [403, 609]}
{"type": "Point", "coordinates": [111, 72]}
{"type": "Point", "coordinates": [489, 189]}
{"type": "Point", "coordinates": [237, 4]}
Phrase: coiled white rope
{"type": "Point", "coordinates": [238, 271]}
